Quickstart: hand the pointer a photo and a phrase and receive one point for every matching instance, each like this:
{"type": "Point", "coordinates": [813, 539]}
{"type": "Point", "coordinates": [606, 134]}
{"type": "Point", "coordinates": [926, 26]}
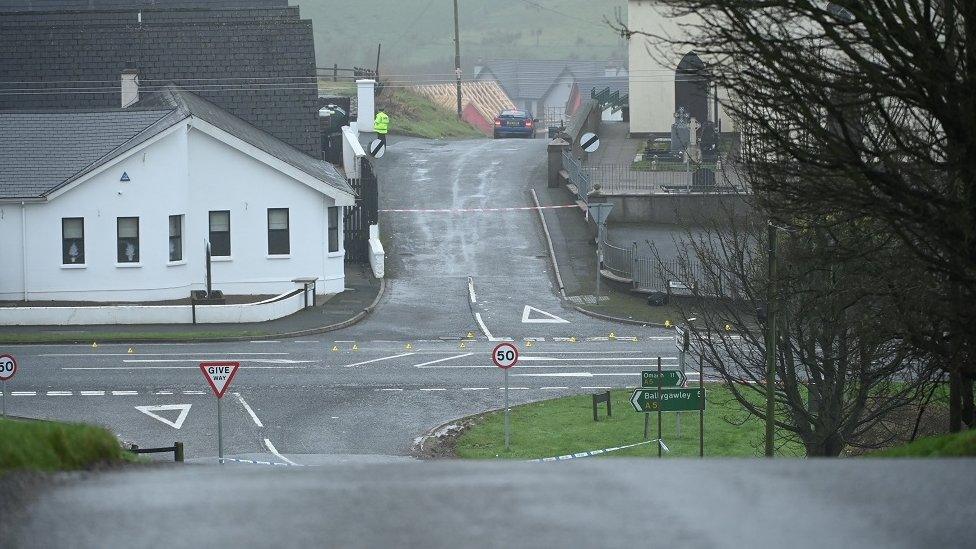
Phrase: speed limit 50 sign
{"type": "Point", "coordinates": [8, 367]}
{"type": "Point", "coordinates": [505, 355]}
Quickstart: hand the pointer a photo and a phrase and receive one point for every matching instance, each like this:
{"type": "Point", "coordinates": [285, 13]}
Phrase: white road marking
{"type": "Point", "coordinates": [377, 360]}
{"type": "Point", "coordinates": [249, 410]}
{"type": "Point", "coordinates": [177, 423]}
{"type": "Point", "coordinates": [558, 374]}
{"type": "Point", "coordinates": [249, 360]}
{"type": "Point", "coordinates": [553, 388]}
{"type": "Point", "coordinates": [481, 325]}
{"type": "Point", "coordinates": [540, 366]}
{"type": "Point", "coordinates": [434, 389]}
{"type": "Point", "coordinates": [474, 388]}
{"type": "Point", "coordinates": [390, 389]}
{"type": "Point", "coordinates": [306, 341]}
{"type": "Point", "coordinates": [515, 388]}
{"type": "Point", "coordinates": [266, 341]}
{"type": "Point", "coordinates": [425, 364]}
{"type": "Point", "coordinates": [471, 296]}
{"type": "Point", "coordinates": [59, 393]}
{"type": "Point", "coordinates": [273, 450]}
{"type": "Point", "coordinates": [92, 393]}
{"type": "Point", "coordinates": [601, 387]}
{"type": "Point", "coordinates": [24, 393]}
{"type": "Point", "coordinates": [164, 392]}
{"type": "Point", "coordinates": [549, 317]}
{"type": "Point", "coordinates": [124, 393]}
{"type": "Point", "coordinates": [194, 392]}
{"type": "Point", "coordinates": [283, 367]}
{"type": "Point", "coordinates": [205, 355]}
{"type": "Point", "coordinates": [530, 358]}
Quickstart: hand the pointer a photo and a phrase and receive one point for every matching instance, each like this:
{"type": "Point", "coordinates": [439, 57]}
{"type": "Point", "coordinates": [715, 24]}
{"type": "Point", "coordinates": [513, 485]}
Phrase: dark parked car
{"type": "Point", "coordinates": [514, 124]}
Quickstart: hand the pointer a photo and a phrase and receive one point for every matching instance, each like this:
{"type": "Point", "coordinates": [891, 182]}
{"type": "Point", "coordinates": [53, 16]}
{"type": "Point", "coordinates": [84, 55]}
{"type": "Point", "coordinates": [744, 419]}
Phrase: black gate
{"type": "Point", "coordinates": [359, 217]}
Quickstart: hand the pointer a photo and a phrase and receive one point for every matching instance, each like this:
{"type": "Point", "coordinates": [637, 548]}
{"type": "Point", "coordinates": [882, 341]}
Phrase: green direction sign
{"type": "Point", "coordinates": [668, 400]}
{"type": "Point", "coordinates": [669, 378]}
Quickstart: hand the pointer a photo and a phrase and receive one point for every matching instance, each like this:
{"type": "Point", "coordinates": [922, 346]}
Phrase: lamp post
{"type": "Point", "coordinates": [771, 340]}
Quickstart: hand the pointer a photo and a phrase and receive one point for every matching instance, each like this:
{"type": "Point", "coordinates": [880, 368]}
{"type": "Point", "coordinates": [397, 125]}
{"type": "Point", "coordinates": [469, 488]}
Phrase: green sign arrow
{"type": "Point", "coordinates": [669, 378]}
{"type": "Point", "coordinates": [668, 400]}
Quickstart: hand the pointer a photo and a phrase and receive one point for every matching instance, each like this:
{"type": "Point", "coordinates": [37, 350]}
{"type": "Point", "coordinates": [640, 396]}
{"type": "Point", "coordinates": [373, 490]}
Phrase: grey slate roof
{"type": "Point", "coordinates": [532, 78]}
{"type": "Point", "coordinates": [41, 152]}
{"type": "Point", "coordinates": [245, 47]}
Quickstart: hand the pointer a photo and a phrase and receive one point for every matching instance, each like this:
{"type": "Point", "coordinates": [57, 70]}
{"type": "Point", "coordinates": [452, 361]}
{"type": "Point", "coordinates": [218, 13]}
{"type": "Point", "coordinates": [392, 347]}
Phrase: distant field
{"type": "Point", "coordinates": [418, 35]}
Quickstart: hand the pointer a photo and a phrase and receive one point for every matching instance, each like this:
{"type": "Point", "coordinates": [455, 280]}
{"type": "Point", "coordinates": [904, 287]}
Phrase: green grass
{"type": "Point", "coordinates": [419, 34]}
{"type": "Point", "coordinates": [107, 337]}
{"type": "Point", "coordinates": [961, 444]}
{"type": "Point", "coordinates": [565, 426]}
{"type": "Point", "coordinates": [414, 115]}
{"type": "Point", "coordinates": [51, 446]}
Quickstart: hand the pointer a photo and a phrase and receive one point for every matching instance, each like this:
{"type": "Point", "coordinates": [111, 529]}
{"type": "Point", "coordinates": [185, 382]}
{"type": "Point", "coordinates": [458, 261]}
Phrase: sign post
{"type": "Point", "coordinates": [601, 211]}
{"type": "Point", "coordinates": [505, 355]}
{"type": "Point", "coordinates": [659, 379]}
{"type": "Point", "coordinates": [218, 376]}
{"type": "Point", "coordinates": [681, 342]}
{"type": "Point", "coordinates": [8, 367]}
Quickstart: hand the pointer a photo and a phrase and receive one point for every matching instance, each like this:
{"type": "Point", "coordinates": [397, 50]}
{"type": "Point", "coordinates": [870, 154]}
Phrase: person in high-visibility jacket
{"type": "Point", "coordinates": [382, 125]}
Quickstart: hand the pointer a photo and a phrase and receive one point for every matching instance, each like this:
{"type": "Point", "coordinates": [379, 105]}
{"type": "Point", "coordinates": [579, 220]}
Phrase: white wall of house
{"type": "Point", "coordinates": [557, 96]}
{"type": "Point", "coordinates": [651, 68]}
{"type": "Point", "coordinates": [184, 171]}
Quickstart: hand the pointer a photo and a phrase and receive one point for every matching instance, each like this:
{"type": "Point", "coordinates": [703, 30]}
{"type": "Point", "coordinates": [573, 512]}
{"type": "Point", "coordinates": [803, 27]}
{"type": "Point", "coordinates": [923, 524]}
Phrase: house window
{"type": "Point", "coordinates": [73, 240]}
{"type": "Point", "coordinates": [278, 241]}
{"type": "Point", "coordinates": [334, 229]}
{"type": "Point", "coordinates": [220, 233]}
{"type": "Point", "coordinates": [176, 238]}
{"type": "Point", "coordinates": [128, 232]}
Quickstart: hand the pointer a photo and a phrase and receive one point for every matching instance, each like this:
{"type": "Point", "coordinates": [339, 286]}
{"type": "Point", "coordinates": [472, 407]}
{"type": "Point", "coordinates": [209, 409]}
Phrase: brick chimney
{"type": "Point", "coordinates": [130, 87]}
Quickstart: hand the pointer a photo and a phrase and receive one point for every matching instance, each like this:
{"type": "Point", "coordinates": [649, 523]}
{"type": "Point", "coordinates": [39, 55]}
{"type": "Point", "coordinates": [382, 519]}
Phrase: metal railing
{"type": "Point", "coordinates": [647, 273]}
{"type": "Point", "coordinates": [623, 179]}
{"type": "Point", "coordinates": [577, 175]}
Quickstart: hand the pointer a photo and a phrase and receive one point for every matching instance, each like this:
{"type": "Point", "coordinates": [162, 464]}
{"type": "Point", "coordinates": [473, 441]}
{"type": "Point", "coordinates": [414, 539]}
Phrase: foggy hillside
{"type": "Point", "coordinates": [417, 35]}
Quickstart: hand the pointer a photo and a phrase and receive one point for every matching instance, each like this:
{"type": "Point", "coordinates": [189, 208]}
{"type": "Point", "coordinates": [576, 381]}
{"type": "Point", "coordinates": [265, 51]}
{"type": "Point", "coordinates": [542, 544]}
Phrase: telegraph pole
{"type": "Point", "coordinates": [457, 57]}
{"type": "Point", "coordinates": [771, 341]}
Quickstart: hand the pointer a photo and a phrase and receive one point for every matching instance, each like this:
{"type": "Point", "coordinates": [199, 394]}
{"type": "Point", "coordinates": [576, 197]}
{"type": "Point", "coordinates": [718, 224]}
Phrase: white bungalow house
{"type": "Point", "coordinates": [117, 205]}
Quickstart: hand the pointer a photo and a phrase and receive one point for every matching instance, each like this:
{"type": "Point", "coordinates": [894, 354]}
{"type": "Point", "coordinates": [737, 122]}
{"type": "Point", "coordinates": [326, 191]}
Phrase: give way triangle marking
{"type": "Point", "coordinates": [177, 423]}
{"type": "Point", "coordinates": [548, 318]}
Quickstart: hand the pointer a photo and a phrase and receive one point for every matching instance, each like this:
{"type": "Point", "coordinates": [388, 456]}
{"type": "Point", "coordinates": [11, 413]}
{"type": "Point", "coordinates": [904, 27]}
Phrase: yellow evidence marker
{"type": "Point", "coordinates": [613, 336]}
{"type": "Point", "coordinates": [470, 335]}
{"type": "Point", "coordinates": [667, 323]}
{"type": "Point", "coordinates": [572, 339]}
{"type": "Point", "coordinates": [94, 345]}
{"type": "Point", "coordinates": [130, 350]}
{"type": "Point", "coordinates": [528, 343]}
{"type": "Point", "coordinates": [728, 327]}
{"type": "Point", "coordinates": [355, 347]}
{"type": "Point", "coordinates": [462, 345]}
{"type": "Point", "coordinates": [335, 348]}
{"type": "Point", "coordinates": [408, 346]}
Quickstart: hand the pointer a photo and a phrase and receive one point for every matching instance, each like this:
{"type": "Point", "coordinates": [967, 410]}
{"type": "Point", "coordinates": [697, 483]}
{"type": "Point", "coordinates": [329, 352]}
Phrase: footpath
{"type": "Point", "coordinates": [351, 306]}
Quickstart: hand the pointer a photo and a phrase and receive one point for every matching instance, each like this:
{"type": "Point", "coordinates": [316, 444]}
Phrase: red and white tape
{"type": "Point", "coordinates": [463, 210]}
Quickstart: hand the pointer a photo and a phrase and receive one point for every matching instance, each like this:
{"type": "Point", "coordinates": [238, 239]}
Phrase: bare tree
{"type": "Point", "coordinates": [843, 371]}
{"type": "Point", "coordinates": [860, 110]}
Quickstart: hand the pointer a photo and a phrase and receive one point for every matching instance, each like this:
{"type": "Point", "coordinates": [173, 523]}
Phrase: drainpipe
{"type": "Point", "coordinates": [23, 243]}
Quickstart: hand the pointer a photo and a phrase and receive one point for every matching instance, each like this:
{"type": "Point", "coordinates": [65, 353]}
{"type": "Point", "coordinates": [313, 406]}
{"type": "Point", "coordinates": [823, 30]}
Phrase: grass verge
{"type": "Point", "coordinates": [414, 115]}
{"type": "Point", "coordinates": [961, 444]}
{"type": "Point", "coordinates": [565, 426]}
{"type": "Point", "coordinates": [52, 446]}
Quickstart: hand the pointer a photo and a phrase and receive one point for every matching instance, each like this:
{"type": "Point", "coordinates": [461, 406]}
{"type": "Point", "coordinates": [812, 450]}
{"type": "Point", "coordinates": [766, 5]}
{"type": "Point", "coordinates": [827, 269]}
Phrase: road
{"type": "Point", "coordinates": [460, 281]}
{"type": "Point", "coordinates": [341, 412]}
{"type": "Point", "coordinates": [586, 503]}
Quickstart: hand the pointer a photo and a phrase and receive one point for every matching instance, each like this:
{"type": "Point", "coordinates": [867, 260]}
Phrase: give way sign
{"type": "Point", "coordinates": [219, 375]}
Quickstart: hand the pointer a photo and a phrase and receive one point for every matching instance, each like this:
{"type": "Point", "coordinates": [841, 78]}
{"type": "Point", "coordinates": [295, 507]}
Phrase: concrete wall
{"type": "Point", "coordinates": [693, 209]}
{"type": "Point", "coordinates": [185, 172]}
{"type": "Point", "coordinates": [270, 309]}
{"type": "Point", "coordinates": [652, 66]}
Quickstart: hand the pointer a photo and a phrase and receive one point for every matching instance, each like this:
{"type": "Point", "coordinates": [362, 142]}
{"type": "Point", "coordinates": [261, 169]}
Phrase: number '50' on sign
{"type": "Point", "coordinates": [505, 355]}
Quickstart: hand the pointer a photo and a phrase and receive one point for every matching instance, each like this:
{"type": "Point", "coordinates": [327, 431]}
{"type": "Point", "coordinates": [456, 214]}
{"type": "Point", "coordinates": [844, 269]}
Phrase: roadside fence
{"type": "Point", "coordinates": [623, 179]}
{"type": "Point", "coordinates": [647, 273]}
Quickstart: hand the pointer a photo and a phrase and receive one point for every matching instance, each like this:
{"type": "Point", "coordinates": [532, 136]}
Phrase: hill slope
{"type": "Point", "coordinates": [418, 35]}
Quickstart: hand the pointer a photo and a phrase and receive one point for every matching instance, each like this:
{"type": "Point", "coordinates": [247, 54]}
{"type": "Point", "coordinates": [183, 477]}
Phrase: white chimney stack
{"type": "Point", "coordinates": [130, 87]}
{"type": "Point", "coordinates": [365, 95]}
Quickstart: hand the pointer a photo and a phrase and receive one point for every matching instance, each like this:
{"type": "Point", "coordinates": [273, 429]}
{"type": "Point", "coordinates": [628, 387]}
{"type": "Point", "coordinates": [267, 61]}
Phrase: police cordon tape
{"type": "Point", "coordinates": [592, 453]}
{"type": "Point", "coordinates": [466, 210]}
